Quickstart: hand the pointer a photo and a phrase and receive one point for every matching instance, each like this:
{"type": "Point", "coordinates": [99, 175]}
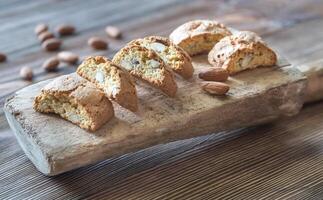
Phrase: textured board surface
{"type": "Point", "coordinates": [256, 96]}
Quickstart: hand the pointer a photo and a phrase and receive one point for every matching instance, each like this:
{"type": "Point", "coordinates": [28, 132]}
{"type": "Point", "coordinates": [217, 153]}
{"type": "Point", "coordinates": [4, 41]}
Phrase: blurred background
{"type": "Point", "coordinates": [293, 27]}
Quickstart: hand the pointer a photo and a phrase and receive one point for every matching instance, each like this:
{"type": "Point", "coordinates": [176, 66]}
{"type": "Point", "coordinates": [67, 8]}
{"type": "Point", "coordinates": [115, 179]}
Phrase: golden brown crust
{"type": "Point", "coordinates": [113, 80]}
{"type": "Point", "coordinates": [75, 100]}
{"type": "Point", "coordinates": [198, 36]}
{"type": "Point", "coordinates": [173, 55]}
{"type": "Point", "coordinates": [148, 66]}
{"type": "Point", "coordinates": [244, 50]}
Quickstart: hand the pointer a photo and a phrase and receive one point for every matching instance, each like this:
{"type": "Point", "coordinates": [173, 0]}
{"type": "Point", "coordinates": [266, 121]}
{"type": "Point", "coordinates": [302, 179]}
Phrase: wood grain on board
{"type": "Point", "coordinates": [279, 160]}
{"type": "Point", "coordinates": [257, 96]}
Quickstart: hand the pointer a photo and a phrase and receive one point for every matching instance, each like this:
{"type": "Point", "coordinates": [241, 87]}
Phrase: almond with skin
{"type": "Point", "coordinates": [51, 64]}
{"type": "Point", "coordinates": [113, 32]}
{"type": "Point", "coordinates": [65, 29]}
{"type": "Point", "coordinates": [40, 28]}
{"type": "Point", "coordinates": [3, 57]}
{"type": "Point", "coordinates": [98, 43]}
{"type": "Point", "coordinates": [214, 74]}
{"type": "Point", "coordinates": [68, 57]}
{"type": "Point", "coordinates": [26, 73]}
{"type": "Point", "coordinates": [216, 88]}
{"type": "Point", "coordinates": [52, 44]}
{"type": "Point", "coordinates": [45, 36]}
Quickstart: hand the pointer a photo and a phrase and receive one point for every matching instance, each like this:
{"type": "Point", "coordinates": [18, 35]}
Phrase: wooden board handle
{"type": "Point", "coordinates": [314, 74]}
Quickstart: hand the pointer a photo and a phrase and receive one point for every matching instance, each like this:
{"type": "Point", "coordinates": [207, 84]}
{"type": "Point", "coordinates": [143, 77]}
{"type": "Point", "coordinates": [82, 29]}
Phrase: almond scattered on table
{"type": "Point", "coordinates": [26, 73]}
{"type": "Point", "coordinates": [113, 32]}
{"type": "Point", "coordinates": [216, 88]}
{"type": "Point", "coordinates": [98, 43]}
{"type": "Point", "coordinates": [41, 28]}
{"type": "Point", "coordinates": [65, 29]}
{"type": "Point", "coordinates": [214, 74]}
{"type": "Point", "coordinates": [3, 57]}
{"type": "Point", "coordinates": [51, 64]}
{"type": "Point", "coordinates": [52, 44]}
{"type": "Point", "coordinates": [68, 57]}
{"type": "Point", "coordinates": [45, 36]}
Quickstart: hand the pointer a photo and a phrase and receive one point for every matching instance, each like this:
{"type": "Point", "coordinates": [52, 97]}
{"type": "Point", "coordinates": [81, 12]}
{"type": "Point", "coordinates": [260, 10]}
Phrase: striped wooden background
{"type": "Point", "coordinates": [282, 160]}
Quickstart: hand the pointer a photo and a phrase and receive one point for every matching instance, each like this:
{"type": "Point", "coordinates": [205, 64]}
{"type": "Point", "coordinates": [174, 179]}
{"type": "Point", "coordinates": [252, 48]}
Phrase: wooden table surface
{"type": "Point", "coordinates": [281, 160]}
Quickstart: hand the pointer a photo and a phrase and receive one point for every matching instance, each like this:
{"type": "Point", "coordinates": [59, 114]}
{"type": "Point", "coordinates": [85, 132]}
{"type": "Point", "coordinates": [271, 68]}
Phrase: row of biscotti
{"type": "Point", "coordinates": [232, 50]}
{"type": "Point", "coordinates": [77, 100]}
{"type": "Point", "coordinates": [151, 59]}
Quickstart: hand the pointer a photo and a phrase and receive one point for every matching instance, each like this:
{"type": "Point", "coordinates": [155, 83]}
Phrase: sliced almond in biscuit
{"type": "Point", "coordinates": [244, 50]}
{"type": "Point", "coordinates": [76, 100]}
{"type": "Point", "coordinates": [145, 64]}
{"type": "Point", "coordinates": [114, 81]}
{"type": "Point", "coordinates": [174, 56]}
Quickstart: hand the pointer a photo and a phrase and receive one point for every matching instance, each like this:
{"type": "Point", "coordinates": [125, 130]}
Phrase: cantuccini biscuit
{"type": "Point", "coordinates": [241, 51]}
{"type": "Point", "coordinates": [198, 36]}
{"type": "Point", "coordinates": [76, 100]}
{"type": "Point", "coordinates": [171, 54]}
{"type": "Point", "coordinates": [145, 64]}
{"type": "Point", "coordinates": [113, 80]}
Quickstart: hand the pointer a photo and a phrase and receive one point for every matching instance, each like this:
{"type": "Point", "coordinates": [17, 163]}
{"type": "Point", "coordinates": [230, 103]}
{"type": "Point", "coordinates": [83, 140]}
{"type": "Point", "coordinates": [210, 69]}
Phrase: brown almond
{"type": "Point", "coordinates": [3, 57]}
{"type": "Point", "coordinates": [41, 28]}
{"type": "Point", "coordinates": [45, 36]}
{"type": "Point", "coordinates": [68, 57]}
{"type": "Point", "coordinates": [214, 74]}
{"type": "Point", "coordinates": [26, 73]}
{"type": "Point", "coordinates": [51, 64]}
{"type": "Point", "coordinates": [216, 88]}
{"type": "Point", "coordinates": [52, 44]}
{"type": "Point", "coordinates": [113, 32]}
{"type": "Point", "coordinates": [98, 43]}
{"type": "Point", "coordinates": [65, 29]}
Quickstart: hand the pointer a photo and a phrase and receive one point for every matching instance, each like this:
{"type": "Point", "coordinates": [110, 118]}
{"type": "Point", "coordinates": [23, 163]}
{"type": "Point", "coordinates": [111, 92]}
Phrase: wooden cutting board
{"type": "Point", "coordinates": [256, 96]}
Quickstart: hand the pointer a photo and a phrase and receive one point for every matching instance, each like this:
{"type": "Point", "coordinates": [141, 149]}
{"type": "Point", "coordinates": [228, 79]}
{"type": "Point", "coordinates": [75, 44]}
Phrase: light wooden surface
{"type": "Point", "coordinates": [279, 160]}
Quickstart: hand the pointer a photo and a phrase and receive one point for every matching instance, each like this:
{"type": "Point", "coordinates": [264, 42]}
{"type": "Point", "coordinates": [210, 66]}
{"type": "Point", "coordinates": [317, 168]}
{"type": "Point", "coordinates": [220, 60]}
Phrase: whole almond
{"type": "Point", "coordinates": [26, 73]}
{"type": "Point", "coordinates": [45, 36]}
{"type": "Point", "coordinates": [98, 43]}
{"type": "Point", "coordinates": [113, 31]}
{"type": "Point", "coordinates": [41, 28]}
{"type": "Point", "coordinates": [51, 64]}
{"type": "Point", "coordinates": [216, 88]}
{"type": "Point", "coordinates": [52, 44]}
{"type": "Point", "coordinates": [214, 74]}
{"type": "Point", "coordinates": [68, 57]}
{"type": "Point", "coordinates": [3, 57]}
{"type": "Point", "coordinates": [65, 29]}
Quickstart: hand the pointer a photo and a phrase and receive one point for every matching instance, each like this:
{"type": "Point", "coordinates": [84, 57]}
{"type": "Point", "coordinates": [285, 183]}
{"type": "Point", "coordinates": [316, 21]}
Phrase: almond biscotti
{"type": "Point", "coordinates": [114, 81]}
{"type": "Point", "coordinates": [244, 50]}
{"type": "Point", "coordinates": [198, 36]}
{"type": "Point", "coordinates": [76, 100]}
{"type": "Point", "coordinates": [171, 54]}
{"type": "Point", "coordinates": [145, 64]}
